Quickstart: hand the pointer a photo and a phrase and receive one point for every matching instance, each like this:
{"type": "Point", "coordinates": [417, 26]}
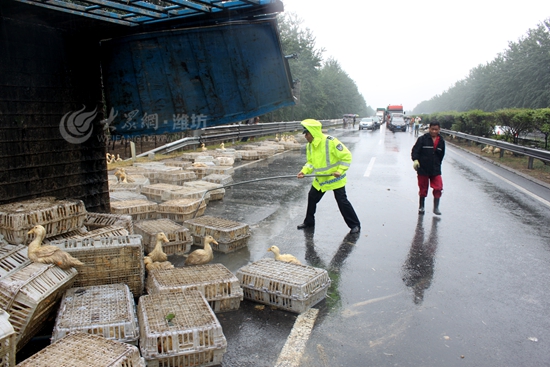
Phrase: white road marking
{"type": "Point", "coordinates": [369, 168]}
{"type": "Point", "coordinates": [529, 193]}
{"type": "Point", "coordinates": [296, 343]}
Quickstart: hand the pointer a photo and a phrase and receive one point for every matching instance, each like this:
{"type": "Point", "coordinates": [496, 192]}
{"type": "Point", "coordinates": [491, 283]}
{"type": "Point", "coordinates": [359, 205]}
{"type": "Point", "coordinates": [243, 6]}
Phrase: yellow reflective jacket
{"type": "Point", "coordinates": [325, 155]}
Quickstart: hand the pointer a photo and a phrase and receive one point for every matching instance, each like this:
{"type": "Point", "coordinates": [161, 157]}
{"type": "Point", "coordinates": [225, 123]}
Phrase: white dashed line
{"type": "Point", "coordinates": [369, 168]}
{"type": "Point", "coordinates": [296, 343]}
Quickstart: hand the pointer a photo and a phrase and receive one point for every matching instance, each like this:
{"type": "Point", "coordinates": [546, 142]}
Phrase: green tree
{"type": "Point", "coordinates": [541, 121]}
{"type": "Point", "coordinates": [323, 90]}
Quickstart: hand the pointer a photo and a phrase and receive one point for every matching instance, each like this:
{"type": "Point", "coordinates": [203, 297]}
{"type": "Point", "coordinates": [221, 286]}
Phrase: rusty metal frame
{"type": "Point", "coordinates": [139, 12]}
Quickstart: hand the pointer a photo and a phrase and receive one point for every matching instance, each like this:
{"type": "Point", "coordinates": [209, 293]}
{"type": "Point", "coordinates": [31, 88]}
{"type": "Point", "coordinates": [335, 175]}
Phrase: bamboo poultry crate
{"type": "Point", "coordinates": [175, 177]}
{"type": "Point", "coordinates": [249, 155]}
{"type": "Point", "coordinates": [218, 179]}
{"type": "Point", "coordinates": [155, 191]}
{"type": "Point", "coordinates": [217, 191]}
{"type": "Point", "coordinates": [180, 210]}
{"type": "Point", "coordinates": [12, 258]}
{"type": "Point", "coordinates": [7, 341]}
{"type": "Point", "coordinates": [220, 170]}
{"type": "Point", "coordinates": [125, 195]}
{"type": "Point", "coordinates": [85, 350]}
{"type": "Point", "coordinates": [138, 181]}
{"type": "Point", "coordinates": [138, 209]}
{"type": "Point", "coordinates": [200, 172]}
{"type": "Point", "coordinates": [30, 295]}
{"type": "Point", "coordinates": [99, 220]}
{"type": "Point", "coordinates": [179, 329]}
{"type": "Point", "coordinates": [108, 260]}
{"type": "Point", "coordinates": [287, 286]}
{"type": "Point", "coordinates": [108, 231]}
{"type": "Point", "coordinates": [187, 192]}
{"type": "Point", "coordinates": [217, 284]}
{"type": "Point", "coordinates": [56, 216]}
{"type": "Point", "coordinates": [229, 234]}
{"type": "Point", "coordinates": [175, 163]}
{"type": "Point", "coordinates": [104, 310]}
{"type": "Point", "coordinates": [178, 235]}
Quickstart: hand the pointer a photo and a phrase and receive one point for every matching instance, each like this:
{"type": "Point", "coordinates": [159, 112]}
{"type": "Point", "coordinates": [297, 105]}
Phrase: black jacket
{"type": "Point", "coordinates": [430, 159]}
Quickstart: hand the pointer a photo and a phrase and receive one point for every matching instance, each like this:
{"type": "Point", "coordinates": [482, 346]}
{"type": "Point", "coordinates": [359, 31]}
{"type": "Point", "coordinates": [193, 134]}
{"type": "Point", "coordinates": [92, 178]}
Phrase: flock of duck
{"type": "Point", "coordinates": [156, 259]}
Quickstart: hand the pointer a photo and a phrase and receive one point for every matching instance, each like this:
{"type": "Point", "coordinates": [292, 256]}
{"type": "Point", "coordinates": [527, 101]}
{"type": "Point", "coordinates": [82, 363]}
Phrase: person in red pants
{"type": "Point", "coordinates": [427, 155]}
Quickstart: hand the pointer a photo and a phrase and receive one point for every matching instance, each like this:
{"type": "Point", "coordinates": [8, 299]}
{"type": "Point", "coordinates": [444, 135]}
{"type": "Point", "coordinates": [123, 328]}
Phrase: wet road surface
{"type": "Point", "coordinates": [467, 288]}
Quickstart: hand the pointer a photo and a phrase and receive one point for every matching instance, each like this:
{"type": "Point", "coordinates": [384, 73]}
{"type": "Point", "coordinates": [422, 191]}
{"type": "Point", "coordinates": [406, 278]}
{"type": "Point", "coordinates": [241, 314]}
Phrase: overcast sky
{"type": "Point", "coordinates": [404, 51]}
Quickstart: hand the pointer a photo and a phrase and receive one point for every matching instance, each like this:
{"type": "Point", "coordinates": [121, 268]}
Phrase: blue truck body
{"type": "Point", "coordinates": [188, 79]}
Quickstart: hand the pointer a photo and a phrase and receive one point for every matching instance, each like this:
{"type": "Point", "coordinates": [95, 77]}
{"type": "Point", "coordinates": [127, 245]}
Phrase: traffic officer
{"type": "Point", "coordinates": [329, 159]}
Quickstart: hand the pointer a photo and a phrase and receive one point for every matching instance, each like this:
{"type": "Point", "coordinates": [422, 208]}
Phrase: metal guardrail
{"type": "Point", "coordinates": [234, 132]}
{"type": "Point", "coordinates": [532, 153]}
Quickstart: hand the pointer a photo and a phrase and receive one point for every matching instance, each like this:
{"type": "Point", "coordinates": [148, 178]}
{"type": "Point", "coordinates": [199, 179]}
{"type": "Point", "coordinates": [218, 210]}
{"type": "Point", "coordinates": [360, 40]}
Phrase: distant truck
{"type": "Point", "coordinates": [393, 109]}
{"type": "Point", "coordinates": [381, 114]}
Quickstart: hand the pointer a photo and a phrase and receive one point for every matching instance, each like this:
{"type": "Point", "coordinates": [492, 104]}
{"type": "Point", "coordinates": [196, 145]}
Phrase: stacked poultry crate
{"type": "Point", "coordinates": [56, 216]}
{"type": "Point", "coordinates": [178, 235]}
{"type": "Point", "coordinates": [104, 310]}
{"type": "Point", "coordinates": [107, 231]}
{"type": "Point", "coordinates": [138, 209]}
{"type": "Point", "coordinates": [189, 192]}
{"type": "Point", "coordinates": [108, 260]}
{"type": "Point", "coordinates": [249, 155]}
{"type": "Point", "coordinates": [217, 284]}
{"type": "Point", "coordinates": [179, 328]}
{"type": "Point", "coordinates": [125, 195]}
{"type": "Point", "coordinates": [218, 179]}
{"type": "Point", "coordinates": [12, 258]}
{"type": "Point", "coordinates": [158, 191]}
{"type": "Point", "coordinates": [230, 235]}
{"type": "Point", "coordinates": [180, 210]}
{"type": "Point", "coordinates": [85, 350]}
{"type": "Point", "coordinates": [216, 192]}
{"type": "Point", "coordinates": [100, 220]}
{"type": "Point", "coordinates": [283, 285]}
{"type": "Point", "coordinates": [30, 295]}
{"type": "Point", "coordinates": [7, 341]}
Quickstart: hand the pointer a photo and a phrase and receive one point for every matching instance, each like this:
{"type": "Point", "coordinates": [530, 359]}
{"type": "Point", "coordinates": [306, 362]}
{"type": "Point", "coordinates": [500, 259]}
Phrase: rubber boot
{"type": "Point", "coordinates": [421, 205]}
{"type": "Point", "coordinates": [436, 206]}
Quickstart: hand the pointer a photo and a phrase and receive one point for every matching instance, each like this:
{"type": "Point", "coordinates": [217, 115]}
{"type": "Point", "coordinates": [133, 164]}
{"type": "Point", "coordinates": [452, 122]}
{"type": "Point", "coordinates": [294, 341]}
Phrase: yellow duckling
{"type": "Point", "coordinates": [157, 255]}
{"type": "Point", "coordinates": [49, 254]}
{"type": "Point", "coordinates": [222, 146]}
{"type": "Point", "coordinates": [202, 256]}
{"type": "Point", "coordinates": [203, 147]}
{"type": "Point", "coordinates": [284, 257]}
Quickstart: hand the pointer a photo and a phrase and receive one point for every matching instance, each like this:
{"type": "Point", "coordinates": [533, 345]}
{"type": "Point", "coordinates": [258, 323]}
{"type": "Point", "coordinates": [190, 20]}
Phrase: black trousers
{"type": "Point", "coordinates": [346, 209]}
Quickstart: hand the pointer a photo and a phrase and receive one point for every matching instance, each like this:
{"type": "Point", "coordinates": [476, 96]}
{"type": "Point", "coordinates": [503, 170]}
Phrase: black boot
{"type": "Point", "coordinates": [436, 206]}
{"type": "Point", "coordinates": [421, 205]}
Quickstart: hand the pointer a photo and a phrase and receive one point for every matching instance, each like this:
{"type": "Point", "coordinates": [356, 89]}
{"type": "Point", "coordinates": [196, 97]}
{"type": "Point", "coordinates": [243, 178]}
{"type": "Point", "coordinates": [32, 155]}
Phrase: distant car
{"type": "Point", "coordinates": [367, 123]}
{"type": "Point", "coordinates": [501, 130]}
{"type": "Point", "coordinates": [397, 123]}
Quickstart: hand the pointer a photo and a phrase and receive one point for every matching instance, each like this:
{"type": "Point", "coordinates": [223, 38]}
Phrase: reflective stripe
{"type": "Point", "coordinates": [335, 179]}
{"type": "Point", "coordinates": [327, 154]}
{"type": "Point", "coordinates": [332, 166]}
